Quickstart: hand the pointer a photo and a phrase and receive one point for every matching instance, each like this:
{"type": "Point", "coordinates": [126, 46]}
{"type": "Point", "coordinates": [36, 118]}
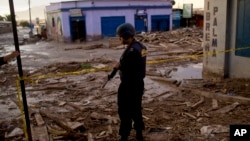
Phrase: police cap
{"type": "Point", "coordinates": [125, 31]}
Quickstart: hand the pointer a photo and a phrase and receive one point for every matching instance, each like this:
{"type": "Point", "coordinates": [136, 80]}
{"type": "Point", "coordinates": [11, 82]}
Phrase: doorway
{"type": "Point", "coordinates": [78, 29]}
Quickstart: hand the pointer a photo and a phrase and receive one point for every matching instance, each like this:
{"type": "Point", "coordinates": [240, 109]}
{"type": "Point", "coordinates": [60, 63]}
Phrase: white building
{"type": "Point", "coordinates": [95, 19]}
{"type": "Point", "coordinates": [226, 39]}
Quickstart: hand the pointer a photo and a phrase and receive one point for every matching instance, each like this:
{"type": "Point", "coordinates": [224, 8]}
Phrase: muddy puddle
{"type": "Point", "coordinates": [190, 71]}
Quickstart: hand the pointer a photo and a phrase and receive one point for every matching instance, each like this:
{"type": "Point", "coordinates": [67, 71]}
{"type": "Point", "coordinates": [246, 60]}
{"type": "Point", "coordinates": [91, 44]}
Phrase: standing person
{"type": "Point", "coordinates": [5, 59]}
{"type": "Point", "coordinates": [132, 67]}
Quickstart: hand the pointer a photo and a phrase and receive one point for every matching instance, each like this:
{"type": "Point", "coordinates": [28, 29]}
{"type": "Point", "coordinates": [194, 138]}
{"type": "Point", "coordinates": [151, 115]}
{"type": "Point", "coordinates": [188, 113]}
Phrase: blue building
{"type": "Point", "coordinates": [95, 19]}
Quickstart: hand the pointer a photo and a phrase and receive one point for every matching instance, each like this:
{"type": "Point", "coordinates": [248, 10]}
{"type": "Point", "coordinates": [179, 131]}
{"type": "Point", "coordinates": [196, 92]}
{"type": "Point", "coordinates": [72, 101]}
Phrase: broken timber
{"type": "Point", "coordinates": [227, 108]}
{"type": "Point", "coordinates": [40, 133]}
{"type": "Point", "coordinates": [76, 106]}
{"type": "Point", "coordinates": [39, 119]}
{"type": "Point", "coordinates": [57, 121]}
{"type": "Point", "coordinates": [226, 98]}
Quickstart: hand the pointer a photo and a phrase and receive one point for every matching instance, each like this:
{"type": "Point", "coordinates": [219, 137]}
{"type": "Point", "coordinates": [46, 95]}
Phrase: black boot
{"type": "Point", "coordinates": [139, 136]}
{"type": "Point", "coordinates": [123, 138]}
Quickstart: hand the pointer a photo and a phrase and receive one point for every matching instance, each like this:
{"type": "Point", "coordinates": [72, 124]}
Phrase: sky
{"type": "Point", "coordinates": [196, 3]}
{"type": "Point", "coordinates": [21, 5]}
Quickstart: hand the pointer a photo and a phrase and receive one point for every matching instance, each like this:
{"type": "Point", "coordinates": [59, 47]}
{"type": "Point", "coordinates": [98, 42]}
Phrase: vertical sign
{"type": "Point", "coordinates": [215, 37]}
{"type": "Point", "coordinates": [187, 10]}
{"type": "Point", "coordinates": [211, 30]}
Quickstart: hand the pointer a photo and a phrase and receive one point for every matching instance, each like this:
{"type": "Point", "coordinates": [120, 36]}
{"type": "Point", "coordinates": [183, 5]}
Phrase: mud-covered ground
{"type": "Point", "coordinates": [63, 87]}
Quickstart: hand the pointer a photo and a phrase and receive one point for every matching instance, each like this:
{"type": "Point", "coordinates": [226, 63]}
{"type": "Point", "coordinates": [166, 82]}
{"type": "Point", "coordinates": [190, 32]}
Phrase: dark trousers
{"type": "Point", "coordinates": [130, 106]}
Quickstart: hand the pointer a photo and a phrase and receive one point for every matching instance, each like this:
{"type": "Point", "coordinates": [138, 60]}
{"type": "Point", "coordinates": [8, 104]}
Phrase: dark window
{"type": "Point", "coordinates": [53, 22]}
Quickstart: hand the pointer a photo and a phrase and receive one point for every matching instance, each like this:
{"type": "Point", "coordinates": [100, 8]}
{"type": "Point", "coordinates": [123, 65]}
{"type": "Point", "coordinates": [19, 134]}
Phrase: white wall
{"type": "Point", "coordinates": [238, 66]}
{"type": "Point", "coordinates": [215, 19]}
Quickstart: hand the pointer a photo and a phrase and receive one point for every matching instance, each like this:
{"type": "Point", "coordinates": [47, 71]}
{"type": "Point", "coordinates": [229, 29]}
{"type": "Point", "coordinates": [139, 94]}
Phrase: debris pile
{"type": "Point", "coordinates": [75, 107]}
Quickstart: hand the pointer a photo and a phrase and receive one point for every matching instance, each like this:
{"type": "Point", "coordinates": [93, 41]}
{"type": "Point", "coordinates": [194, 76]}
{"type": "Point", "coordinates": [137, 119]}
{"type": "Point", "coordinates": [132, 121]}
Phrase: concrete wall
{"type": "Point", "coordinates": [56, 31]}
{"type": "Point", "coordinates": [214, 43]}
{"type": "Point", "coordinates": [95, 17]}
{"type": "Point", "coordinates": [220, 23]}
{"type": "Point", "coordinates": [239, 67]}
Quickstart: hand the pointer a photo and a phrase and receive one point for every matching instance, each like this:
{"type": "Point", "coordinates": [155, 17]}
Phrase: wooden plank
{"type": "Point", "coordinates": [163, 93]}
{"type": "Point", "coordinates": [40, 133]}
{"type": "Point", "coordinates": [39, 119]}
{"type": "Point", "coordinates": [227, 108]}
{"type": "Point", "coordinates": [114, 42]}
{"type": "Point", "coordinates": [198, 103]}
{"type": "Point", "coordinates": [223, 97]}
{"type": "Point", "coordinates": [74, 125]}
{"type": "Point", "coordinates": [98, 116]}
{"type": "Point", "coordinates": [214, 104]}
{"type": "Point", "coordinates": [93, 46]}
{"type": "Point", "coordinates": [76, 106]}
{"type": "Point", "coordinates": [80, 47]}
{"type": "Point", "coordinates": [190, 115]}
{"type": "Point", "coordinates": [163, 80]}
{"type": "Point", "coordinates": [90, 137]}
{"type": "Point", "coordinates": [56, 120]}
{"type": "Point", "coordinates": [110, 130]}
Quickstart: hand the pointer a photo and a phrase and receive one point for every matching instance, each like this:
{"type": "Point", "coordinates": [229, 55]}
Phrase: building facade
{"type": "Point", "coordinates": [95, 19]}
{"type": "Point", "coordinates": [5, 27]}
{"type": "Point", "coordinates": [226, 39]}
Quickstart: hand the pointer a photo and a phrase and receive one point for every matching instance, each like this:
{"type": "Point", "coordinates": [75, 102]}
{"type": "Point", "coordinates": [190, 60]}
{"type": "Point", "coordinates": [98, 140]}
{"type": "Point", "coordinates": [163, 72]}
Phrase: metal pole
{"type": "Point", "coordinates": [19, 64]}
{"type": "Point", "coordinates": [31, 32]}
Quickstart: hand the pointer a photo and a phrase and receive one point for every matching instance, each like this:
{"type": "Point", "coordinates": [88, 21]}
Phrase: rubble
{"type": "Point", "coordinates": [73, 106]}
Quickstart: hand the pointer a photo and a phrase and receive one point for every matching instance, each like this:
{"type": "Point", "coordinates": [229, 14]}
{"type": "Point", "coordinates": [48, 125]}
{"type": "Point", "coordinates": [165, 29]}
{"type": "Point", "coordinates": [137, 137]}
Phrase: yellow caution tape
{"type": "Point", "coordinates": [21, 109]}
{"type": "Point", "coordinates": [84, 71]}
{"type": "Point", "coordinates": [193, 56]}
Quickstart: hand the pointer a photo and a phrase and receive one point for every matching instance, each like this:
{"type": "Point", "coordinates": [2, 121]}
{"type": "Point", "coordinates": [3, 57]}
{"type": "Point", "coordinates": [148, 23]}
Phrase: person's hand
{"type": "Point", "coordinates": [14, 54]}
{"type": "Point", "coordinates": [112, 74]}
{"type": "Point", "coordinates": [117, 65]}
{"type": "Point", "coordinates": [11, 56]}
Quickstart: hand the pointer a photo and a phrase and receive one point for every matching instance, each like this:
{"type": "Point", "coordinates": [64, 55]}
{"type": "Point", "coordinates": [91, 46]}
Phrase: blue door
{"type": "Point", "coordinates": [78, 28]}
{"type": "Point", "coordinates": [160, 22]}
{"type": "Point", "coordinates": [109, 25]}
{"type": "Point", "coordinates": [140, 23]}
{"type": "Point", "coordinates": [243, 26]}
{"type": "Point", "coordinates": [176, 19]}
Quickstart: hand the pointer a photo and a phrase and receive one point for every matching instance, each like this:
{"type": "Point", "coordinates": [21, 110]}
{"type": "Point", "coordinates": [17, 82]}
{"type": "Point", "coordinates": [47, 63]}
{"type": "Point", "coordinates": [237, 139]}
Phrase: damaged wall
{"type": "Point", "coordinates": [55, 26]}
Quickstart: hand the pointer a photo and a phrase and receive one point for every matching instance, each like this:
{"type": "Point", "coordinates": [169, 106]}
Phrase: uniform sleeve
{"type": "Point", "coordinates": [2, 61]}
{"type": "Point", "coordinates": [130, 66]}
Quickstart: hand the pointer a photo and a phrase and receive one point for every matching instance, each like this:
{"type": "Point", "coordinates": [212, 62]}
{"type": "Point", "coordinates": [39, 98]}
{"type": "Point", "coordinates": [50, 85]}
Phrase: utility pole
{"type": "Point", "coordinates": [31, 32]}
{"type": "Point", "coordinates": [20, 71]}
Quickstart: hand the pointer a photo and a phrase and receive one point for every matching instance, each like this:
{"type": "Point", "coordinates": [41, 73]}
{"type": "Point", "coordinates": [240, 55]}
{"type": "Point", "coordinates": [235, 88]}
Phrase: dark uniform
{"type": "Point", "coordinates": [2, 61]}
{"type": "Point", "coordinates": [132, 72]}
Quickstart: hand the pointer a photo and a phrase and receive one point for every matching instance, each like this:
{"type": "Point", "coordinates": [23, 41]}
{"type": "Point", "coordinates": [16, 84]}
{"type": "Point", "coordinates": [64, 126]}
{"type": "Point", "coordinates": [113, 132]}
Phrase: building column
{"type": "Point", "coordinates": [214, 39]}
